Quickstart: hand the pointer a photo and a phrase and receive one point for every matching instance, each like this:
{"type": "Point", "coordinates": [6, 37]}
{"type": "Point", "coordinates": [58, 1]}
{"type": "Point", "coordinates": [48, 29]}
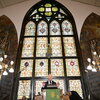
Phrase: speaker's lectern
{"type": "Point", "coordinates": [51, 93]}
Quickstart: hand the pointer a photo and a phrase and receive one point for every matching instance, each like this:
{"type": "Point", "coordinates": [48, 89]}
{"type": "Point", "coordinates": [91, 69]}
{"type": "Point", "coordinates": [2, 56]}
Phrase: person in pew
{"type": "Point", "coordinates": [24, 98]}
{"type": "Point", "coordinates": [73, 95]}
{"type": "Point", "coordinates": [50, 82]}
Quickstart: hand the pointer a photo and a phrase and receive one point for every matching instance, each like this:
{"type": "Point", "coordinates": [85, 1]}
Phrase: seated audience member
{"type": "Point", "coordinates": [50, 82]}
{"type": "Point", "coordinates": [24, 98]}
{"type": "Point", "coordinates": [73, 95]}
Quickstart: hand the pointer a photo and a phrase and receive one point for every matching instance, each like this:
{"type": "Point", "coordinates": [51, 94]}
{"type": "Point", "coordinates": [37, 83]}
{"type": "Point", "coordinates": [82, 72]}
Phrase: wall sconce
{"type": "Point", "coordinates": [94, 63]}
{"type": "Point", "coordinates": [5, 68]}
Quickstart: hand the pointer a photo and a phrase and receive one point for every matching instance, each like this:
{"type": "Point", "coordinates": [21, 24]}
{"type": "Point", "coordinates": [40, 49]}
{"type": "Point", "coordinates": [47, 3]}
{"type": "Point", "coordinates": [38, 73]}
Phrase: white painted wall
{"type": "Point", "coordinates": [79, 11]}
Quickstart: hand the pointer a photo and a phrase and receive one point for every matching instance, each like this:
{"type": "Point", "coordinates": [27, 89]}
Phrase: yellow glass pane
{"type": "Point", "coordinates": [48, 13]}
{"type": "Point", "coordinates": [48, 5]}
{"type": "Point", "coordinates": [54, 9]}
{"type": "Point", "coordinates": [41, 9]}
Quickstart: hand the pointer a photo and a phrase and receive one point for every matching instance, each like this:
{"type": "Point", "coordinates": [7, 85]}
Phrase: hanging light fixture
{"type": "Point", "coordinates": [5, 68]}
{"type": "Point", "coordinates": [94, 63]}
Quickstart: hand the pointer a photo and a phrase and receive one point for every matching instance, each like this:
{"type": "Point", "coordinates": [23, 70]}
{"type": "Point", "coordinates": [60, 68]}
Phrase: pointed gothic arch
{"type": "Point", "coordinates": [91, 32]}
{"type": "Point", "coordinates": [53, 25]}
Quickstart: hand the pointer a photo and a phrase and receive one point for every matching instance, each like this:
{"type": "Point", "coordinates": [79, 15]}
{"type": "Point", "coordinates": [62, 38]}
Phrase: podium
{"type": "Point", "coordinates": [51, 94]}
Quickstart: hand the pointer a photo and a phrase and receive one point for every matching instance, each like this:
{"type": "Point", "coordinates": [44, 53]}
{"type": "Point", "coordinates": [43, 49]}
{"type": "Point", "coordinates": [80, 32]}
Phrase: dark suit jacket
{"type": "Point", "coordinates": [75, 96]}
{"type": "Point", "coordinates": [47, 83]}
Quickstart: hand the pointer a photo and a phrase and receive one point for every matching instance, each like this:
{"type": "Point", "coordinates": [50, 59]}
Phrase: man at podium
{"type": "Point", "coordinates": [50, 90]}
{"type": "Point", "coordinates": [50, 83]}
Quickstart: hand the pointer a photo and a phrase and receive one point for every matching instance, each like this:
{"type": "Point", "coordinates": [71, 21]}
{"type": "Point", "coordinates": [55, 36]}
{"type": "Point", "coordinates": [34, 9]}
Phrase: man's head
{"type": "Point", "coordinates": [49, 77]}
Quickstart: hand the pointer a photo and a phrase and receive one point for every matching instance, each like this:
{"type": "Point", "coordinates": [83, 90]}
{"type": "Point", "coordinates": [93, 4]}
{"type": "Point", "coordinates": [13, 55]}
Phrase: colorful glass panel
{"type": "Point", "coordinates": [69, 46]}
{"type": "Point", "coordinates": [26, 71]}
{"type": "Point", "coordinates": [28, 47]}
{"type": "Point", "coordinates": [41, 9]}
{"type": "Point", "coordinates": [38, 86]}
{"type": "Point", "coordinates": [30, 29]}
{"type": "Point", "coordinates": [72, 67]}
{"type": "Point", "coordinates": [41, 67]}
{"type": "Point", "coordinates": [42, 28]}
{"type": "Point", "coordinates": [48, 5]}
{"type": "Point", "coordinates": [54, 9]}
{"type": "Point", "coordinates": [41, 47]}
{"type": "Point", "coordinates": [75, 85]}
{"type": "Point", "coordinates": [57, 67]}
{"type": "Point", "coordinates": [61, 84]}
{"type": "Point", "coordinates": [54, 28]}
{"type": "Point", "coordinates": [67, 28]}
{"type": "Point", "coordinates": [24, 88]}
{"type": "Point", "coordinates": [48, 13]}
{"type": "Point", "coordinates": [56, 46]}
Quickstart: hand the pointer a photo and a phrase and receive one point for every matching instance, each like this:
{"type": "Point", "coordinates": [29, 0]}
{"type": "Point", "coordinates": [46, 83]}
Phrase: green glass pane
{"type": "Point", "coordinates": [48, 13]}
{"type": "Point", "coordinates": [54, 9]}
{"type": "Point", "coordinates": [48, 5]}
{"type": "Point", "coordinates": [24, 89]}
{"type": "Point", "coordinates": [41, 9]}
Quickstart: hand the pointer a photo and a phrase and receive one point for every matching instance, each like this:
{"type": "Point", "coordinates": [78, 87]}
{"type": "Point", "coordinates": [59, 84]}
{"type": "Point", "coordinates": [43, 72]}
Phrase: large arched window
{"type": "Point", "coordinates": [49, 44]}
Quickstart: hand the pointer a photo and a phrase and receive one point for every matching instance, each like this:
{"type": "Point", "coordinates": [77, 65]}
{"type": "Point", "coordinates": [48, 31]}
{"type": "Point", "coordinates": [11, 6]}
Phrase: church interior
{"type": "Point", "coordinates": [39, 38]}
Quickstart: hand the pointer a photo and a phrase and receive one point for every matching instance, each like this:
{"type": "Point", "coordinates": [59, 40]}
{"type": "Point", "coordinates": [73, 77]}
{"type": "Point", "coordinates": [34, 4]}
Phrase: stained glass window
{"type": "Point", "coordinates": [57, 67]}
{"type": "Point", "coordinates": [75, 85]}
{"type": "Point", "coordinates": [30, 29]}
{"type": "Point", "coordinates": [67, 28]}
{"type": "Point", "coordinates": [69, 46]}
{"type": "Point", "coordinates": [61, 84]}
{"type": "Point", "coordinates": [24, 89]}
{"type": "Point", "coordinates": [41, 68]}
{"type": "Point", "coordinates": [42, 28]}
{"type": "Point", "coordinates": [54, 28]}
{"type": "Point", "coordinates": [38, 85]}
{"type": "Point", "coordinates": [26, 67]}
{"type": "Point", "coordinates": [72, 67]}
{"type": "Point", "coordinates": [49, 44]}
{"type": "Point", "coordinates": [41, 49]}
{"type": "Point", "coordinates": [56, 46]}
{"type": "Point", "coordinates": [28, 47]}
